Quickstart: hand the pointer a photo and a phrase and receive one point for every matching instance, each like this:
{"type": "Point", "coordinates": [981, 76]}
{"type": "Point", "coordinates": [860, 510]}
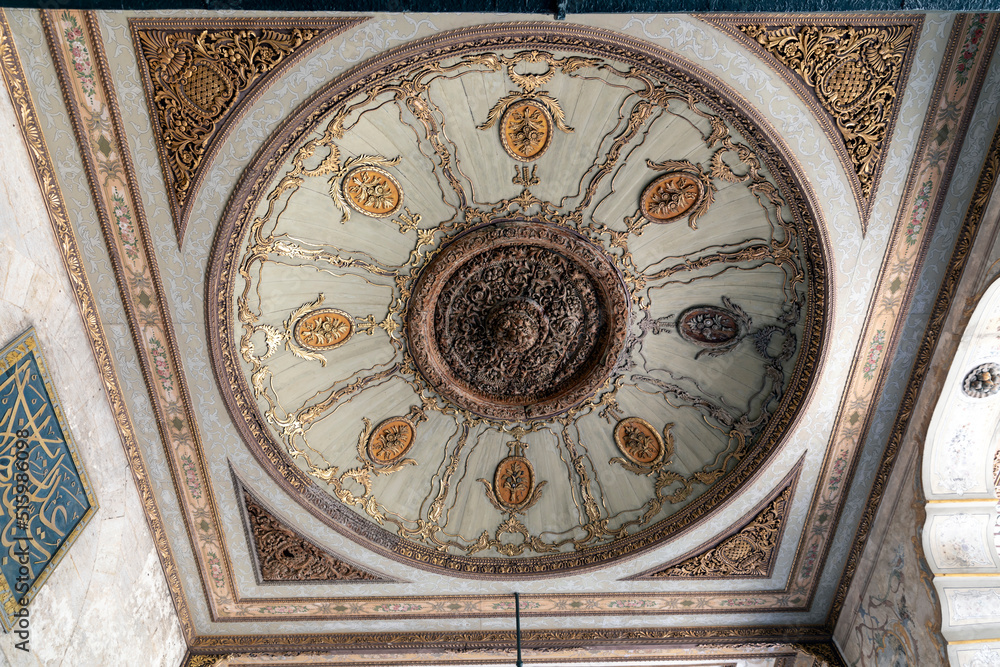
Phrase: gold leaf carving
{"type": "Point", "coordinates": [855, 73]}
{"type": "Point", "coordinates": [196, 76]}
{"type": "Point", "coordinates": [750, 552]}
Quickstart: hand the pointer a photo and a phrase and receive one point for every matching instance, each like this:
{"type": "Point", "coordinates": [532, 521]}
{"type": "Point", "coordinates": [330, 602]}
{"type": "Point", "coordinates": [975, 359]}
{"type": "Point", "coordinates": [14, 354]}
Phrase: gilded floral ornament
{"type": "Point", "coordinates": [391, 440]}
{"type": "Point", "coordinates": [683, 190]}
{"type": "Point", "coordinates": [323, 329]}
{"type": "Point", "coordinates": [748, 552]}
{"type": "Point", "coordinates": [284, 555]}
{"type": "Point", "coordinates": [514, 489]}
{"type": "Point", "coordinates": [527, 118]}
{"type": "Point", "coordinates": [857, 75]}
{"type": "Point", "coordinates": [716, 330]}
{"type": "Point", "coordinates": [526, 130]}
{"type": "Point", "coordinates": [372, 191]}
{"type": "Point", "coordinates": [195, 75]}
{"type": "Point", "coordinates": [644, 449]}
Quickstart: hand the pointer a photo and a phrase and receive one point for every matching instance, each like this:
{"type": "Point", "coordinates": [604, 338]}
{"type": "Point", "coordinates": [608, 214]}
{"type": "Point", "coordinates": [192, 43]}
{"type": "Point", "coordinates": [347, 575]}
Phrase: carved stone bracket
{"type": "Point", "coordinates": [198, 75]}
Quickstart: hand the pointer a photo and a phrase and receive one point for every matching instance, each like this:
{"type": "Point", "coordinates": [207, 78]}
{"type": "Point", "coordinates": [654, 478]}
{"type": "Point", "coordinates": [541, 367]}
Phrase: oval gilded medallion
{"type": "Point", "coordinates": [323, 329]}
{"type": "Point", "coordinates": [526, 130]}
{"type": "Point", "coordinates": [373, 191]}
{"type": "Point", "coordinates": [390, 440]}
{"type": "Point", "coordinates": [708, 326]}
{"type": "Point", "coordinates": [513, 481]}
{"type": "Point", "coordinates": [670, 196]}
{"type": "Point", "coordinates": [639, 441]}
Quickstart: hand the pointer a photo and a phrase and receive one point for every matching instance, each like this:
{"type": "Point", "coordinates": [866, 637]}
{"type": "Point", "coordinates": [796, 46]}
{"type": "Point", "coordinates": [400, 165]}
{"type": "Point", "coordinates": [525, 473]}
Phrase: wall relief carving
{"type": "Point", "coordinates": [748, 552]}
{"type": "Point", "coordinates": [855, 72]}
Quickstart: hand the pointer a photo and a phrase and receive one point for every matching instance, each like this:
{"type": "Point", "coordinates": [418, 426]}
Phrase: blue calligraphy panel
{"type": "Point", "coordinates": [45, 497]}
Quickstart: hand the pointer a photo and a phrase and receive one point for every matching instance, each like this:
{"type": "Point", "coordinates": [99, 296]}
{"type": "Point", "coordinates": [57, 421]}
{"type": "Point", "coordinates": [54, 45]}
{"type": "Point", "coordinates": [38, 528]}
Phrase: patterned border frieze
{"type": "Point", "coordinates": [30, 127]}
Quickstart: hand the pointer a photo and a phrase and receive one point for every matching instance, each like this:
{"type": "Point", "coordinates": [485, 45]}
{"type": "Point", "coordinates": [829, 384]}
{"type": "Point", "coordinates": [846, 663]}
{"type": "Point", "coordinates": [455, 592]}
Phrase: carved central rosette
{"type": "Point", "coordinates": [518, 320]}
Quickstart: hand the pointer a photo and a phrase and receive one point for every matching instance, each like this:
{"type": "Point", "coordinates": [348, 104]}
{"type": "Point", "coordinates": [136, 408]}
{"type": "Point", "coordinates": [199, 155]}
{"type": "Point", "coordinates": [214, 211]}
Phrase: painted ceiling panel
{"type": "Point", "coordinates": [479, 307]}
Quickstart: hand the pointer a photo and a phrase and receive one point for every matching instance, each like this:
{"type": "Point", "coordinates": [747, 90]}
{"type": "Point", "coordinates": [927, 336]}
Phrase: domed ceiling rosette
{"type": "Point", "coordinates": [519, 334]}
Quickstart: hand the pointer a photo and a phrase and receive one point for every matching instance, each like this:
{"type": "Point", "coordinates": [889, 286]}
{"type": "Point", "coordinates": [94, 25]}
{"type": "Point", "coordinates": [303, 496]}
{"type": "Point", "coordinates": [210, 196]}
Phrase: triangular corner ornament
{"type": "Point", "coordinates": [746, 552]}
{"type": "Point", "coordinates": [281, 554]}
{"type": "Point", "coordinates": [855, 73]}
{"type": "Point", "coordinates": [197, 76]}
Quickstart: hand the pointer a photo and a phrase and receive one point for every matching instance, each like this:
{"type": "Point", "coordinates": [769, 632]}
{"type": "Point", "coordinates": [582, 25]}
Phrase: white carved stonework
{"type": "Point", "coordinates": [960, 541]}
{"type": "Point", "coordinates": [986, 657]}
{"type": "Point", "coordinates": [957, 463]}
{"type": "Point", "coordinates": [974, 605]}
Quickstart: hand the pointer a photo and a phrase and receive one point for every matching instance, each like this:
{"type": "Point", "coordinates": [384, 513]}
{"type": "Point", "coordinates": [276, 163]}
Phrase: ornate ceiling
{"type": "Point", "coordinates": [516, 369]}
{"type": "Point", "coordinates": [402, 314]}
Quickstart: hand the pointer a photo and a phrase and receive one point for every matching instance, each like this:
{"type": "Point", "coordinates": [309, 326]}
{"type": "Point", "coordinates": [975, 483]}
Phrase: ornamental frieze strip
{"type": "Point", "coordinates": [31, 131]}
{"type": "Point", "coordinates": [952, 103]}
{"type": "Point", "coordinates": [850, 71]}
{"type": "Point", "coordinates": [83, 75]}
{"type": "Point", "coordinates": [199, 76]}
{"type": "Point", "coordinates": [747, 551]}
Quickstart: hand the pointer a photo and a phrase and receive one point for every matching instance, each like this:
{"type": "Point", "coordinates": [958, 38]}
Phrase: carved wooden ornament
{"type": "Point", "coordinates": [514, 481]}
{"type": "Point", "coordinates": [708, 326]}
{"type": "Point", "coordinates": [323, 329]}
{"type": "Point", "coordinates": [639, 441]}
{"type": "Point", "coordinates": [390, 440]}
{"type": "Point", "coordinates": [373, 191]}
{"type": "Point", "coordinates": [671, 196]}
{"type": "Point", "coordinates": [526, 130]}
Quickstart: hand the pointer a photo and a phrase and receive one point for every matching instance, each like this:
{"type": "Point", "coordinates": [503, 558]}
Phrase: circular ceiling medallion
{"type": "Point", "coordinates": [390, 440]}
{"type": "Point", "coordinates": [373, 191]}
{"type": "Point", "coordinates": [518, 320]}
{"type": "Point", "coordinates": [555, 380]}
{"type": "Point", "coordinates": [323, 329]}
{"type": "Point", "coordinates": [671, 196]}
{"type": "Point", "coordinates": [982, 381]}
{"type": "Point", "coordinates": [526, 130]}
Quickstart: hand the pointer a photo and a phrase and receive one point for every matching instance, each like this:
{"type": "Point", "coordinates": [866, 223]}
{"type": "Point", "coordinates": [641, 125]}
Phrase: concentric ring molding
{"type": "Point", "coordinates": [791, 347]}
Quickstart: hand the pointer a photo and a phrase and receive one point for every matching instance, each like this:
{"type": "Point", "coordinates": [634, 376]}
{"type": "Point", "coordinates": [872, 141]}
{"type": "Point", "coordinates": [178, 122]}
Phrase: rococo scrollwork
{"type": "Point", "coordinates": [538, 326]}
{"type": "Point", "coordinates": [194, 79]}
{"type": "Point", "coordinates": [856, 73]}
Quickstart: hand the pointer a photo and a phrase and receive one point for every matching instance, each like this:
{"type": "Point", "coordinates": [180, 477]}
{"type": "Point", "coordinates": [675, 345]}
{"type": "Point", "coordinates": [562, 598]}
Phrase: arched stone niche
{"type": "Point", "coordinates": [960, 485]}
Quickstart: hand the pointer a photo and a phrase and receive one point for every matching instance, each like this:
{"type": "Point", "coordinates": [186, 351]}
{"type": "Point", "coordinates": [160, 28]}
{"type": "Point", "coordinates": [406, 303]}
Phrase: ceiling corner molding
{"type": "Point", "coordinates": [850, 73]}
{"type": "Point", "coordinates": [200, 76]}
{"type": "Point", "coordinates": [281, 554]}
{"type": "Point", "coordinates": [747, 551]}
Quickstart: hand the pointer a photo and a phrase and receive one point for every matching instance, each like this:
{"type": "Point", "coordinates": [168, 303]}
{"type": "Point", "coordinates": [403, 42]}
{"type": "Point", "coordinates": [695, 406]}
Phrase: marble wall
{"type": "Point", "coordinates": [107, 601]}
{"type": "Point", "coordinates": [891, 618]}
